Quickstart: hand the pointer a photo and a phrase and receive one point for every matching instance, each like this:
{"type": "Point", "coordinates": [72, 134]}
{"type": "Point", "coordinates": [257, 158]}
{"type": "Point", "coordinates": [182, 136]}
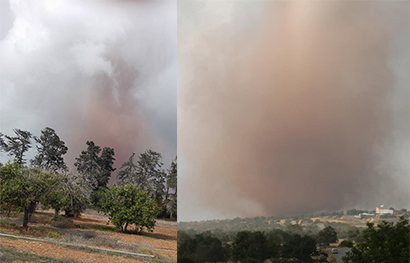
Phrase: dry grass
{"type": "Point", "coordinates": [92, 230]}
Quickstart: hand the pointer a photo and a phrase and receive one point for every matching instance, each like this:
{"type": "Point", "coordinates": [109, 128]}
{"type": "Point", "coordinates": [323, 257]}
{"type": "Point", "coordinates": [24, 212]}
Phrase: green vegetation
{"type": "Point", "coordinates": [149, 175]}
{"type": "Point", "coordinates": [327, 235]}
{"type": "Point", "coordinates": [21, 189]}
{"type": "Point", "coordinates": [346, 243]}
{"type": "Point", "coordinates": [128, 204]}
{"type": "Point", "coordinates": [16, 146]}
{"type": "Point", "coordinates": [266, 224]}
{"type": "Point", "coordinates": [246, 246]}
{"type": "Point", "coordinates": [300, 248]}
{"type": "Point", "coordinates": [46, 180]}
{"type": "Point", "coordinates": [250, 246]}
{"type": "Point", "coordinates": [385, 243]}
{"type": "Point", "coordinates": [50, 151]}
{"type": "Point", "coordinates": [200, 248]}
{"type": "Point", "coordinates": [95, 168]}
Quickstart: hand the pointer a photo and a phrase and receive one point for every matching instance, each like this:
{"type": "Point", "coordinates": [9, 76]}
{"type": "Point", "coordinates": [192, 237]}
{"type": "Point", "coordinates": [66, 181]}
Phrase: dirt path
{"type": "Point", "coordinates": [57, 252]}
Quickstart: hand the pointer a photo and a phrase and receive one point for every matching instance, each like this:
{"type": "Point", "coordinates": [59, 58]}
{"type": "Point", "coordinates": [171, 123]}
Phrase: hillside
{"type": "Point", "coordinates": [303, 224]}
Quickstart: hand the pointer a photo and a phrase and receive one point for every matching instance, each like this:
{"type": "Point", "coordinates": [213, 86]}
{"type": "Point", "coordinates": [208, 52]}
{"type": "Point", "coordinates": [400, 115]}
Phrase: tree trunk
{"type": "Point", "coordinates": [69, 213]}
{"type": "Point", "coordinates": [166, 194]}
{"type": "Point", "coordinates": [125, 228]}
{"type": "Point", "coordinates": [26, 217]}
{"type": "Point", "coordinates": [56, 211]}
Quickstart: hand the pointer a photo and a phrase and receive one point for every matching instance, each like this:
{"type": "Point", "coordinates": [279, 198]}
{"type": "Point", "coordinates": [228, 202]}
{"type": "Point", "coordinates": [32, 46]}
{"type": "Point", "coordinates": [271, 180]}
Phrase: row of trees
{"type": "Point", "coordinates": [386, 242]}
{"type": "Point", "coordinates": [144, 185]}
{"type": "Point", "coordinates": [23, 188]}
{"type": "Point", "coordinates": [248, 246]}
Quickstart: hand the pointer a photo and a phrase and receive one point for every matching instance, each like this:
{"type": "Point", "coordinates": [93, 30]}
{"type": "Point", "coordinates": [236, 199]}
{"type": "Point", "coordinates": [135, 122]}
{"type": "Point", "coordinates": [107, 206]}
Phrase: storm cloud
{"type": "Point", "coordinates": [287, 107]}
{"type": "Point", "coordinates": [91, 70]}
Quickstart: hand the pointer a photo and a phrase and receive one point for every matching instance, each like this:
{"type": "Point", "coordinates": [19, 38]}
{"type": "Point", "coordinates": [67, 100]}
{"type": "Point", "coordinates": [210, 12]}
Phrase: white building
{"type": "Point", "coordinates": [383, 211]}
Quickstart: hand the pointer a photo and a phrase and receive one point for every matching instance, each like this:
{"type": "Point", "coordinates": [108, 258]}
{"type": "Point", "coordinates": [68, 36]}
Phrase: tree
{"type": "Point", "coordinates": [172, 178]}
{"type": "Point", "coordinates": [96, 169]}
{"type": "Point", "coordinates": [201, 248]}
{"type": "Point", "coordinates": [21, 189]}
{"type": "Point", "coordinates": [66, 194]}
{"type": "Point", "coordinates": [250, 246]}
{"type": "Point", "coordinates": [16, 146]}
{"type": "Point", "coordinates": [327, 235]}
{"type": "Point", "coordinates": [352, 212]}
{"type": "Point", "coordinates": [353, 232]}
{"type": "Point", "coordinates": [300, 248]}
{"type": "Point", "coordinates": [388, 242]}
{"type": "Point", "coordinates": [186, 247]}
{"type": "Point", "coordinates": [128, 204]}
{"type": "Point", "coordinates": [150, 175]}
{"type": "Point", "coordinates": [210, 249]}
{"type": "Point", "coordinates": [50, 151]}
{"type": "Point", "coordinates": [88, 164]}
{"type": "Point", "coordinates": [171, 206]}
{"type": "Point", "coordinates": [127, 173]}
{"type": "Point", "coordinates": [56, 196]}
{"type": "Point", "coordinates": [106, 162]}
{"type": "Point", "coordinates": [294, 229]}
{"type": "Point", "coordinates": [10, 181]}
{"type": "Point", "coordinates": [76, 196]}
{"type": "Point", "coordinates": [274, 240]}
{"type": "Point", "coordinates": [171, 184]}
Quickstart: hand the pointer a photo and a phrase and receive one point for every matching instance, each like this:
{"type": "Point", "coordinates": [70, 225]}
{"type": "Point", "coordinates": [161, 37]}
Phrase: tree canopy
{"type": "Point", "coordinates": [386, 243]}
{"type": "Point", "coordinates": [50, 151]}
{"type": "Point", "coordinates": [95, 168]}
{"type": "Point", "coordinates": [327, 235]}
{"type": "Point", "coordinates": [127, 173]}
{"type": "Point", "coordinates": [17, 145]}
{"type": "Point", "coordinates": [201, 248]}
{"type": "Point", "coordinates": [148, 190]}
{"type": "Point", "coordinates": [21, 189]}
{"type": "Point", "coordinates": [250, 245]}
{"type": "Point", "coordinates": [128, 204]}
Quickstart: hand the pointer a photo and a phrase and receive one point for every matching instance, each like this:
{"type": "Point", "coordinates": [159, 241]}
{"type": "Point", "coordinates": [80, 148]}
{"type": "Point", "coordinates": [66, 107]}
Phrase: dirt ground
{"type": "Point", "coordinates": [90, 230]}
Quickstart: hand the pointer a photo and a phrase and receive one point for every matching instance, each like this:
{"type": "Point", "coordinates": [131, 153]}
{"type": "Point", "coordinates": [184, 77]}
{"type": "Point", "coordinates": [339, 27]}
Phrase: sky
{"type": "Point", "coordinates": [289, 107]}
{"type": "Point", "coordinates": [92, 70]}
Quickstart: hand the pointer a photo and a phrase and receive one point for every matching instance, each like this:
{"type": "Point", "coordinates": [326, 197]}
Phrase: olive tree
{"type": "Point", "coordinates": [21, 189]}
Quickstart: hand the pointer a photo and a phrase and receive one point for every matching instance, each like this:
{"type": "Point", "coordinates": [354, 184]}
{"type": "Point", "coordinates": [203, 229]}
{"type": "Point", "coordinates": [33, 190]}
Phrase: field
{"type": "Point", "coordinates": [85, 239]}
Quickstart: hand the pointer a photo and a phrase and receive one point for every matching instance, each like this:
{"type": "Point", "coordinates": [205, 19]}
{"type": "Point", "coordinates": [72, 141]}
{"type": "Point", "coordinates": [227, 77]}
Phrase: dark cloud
{"type": "Point", "coordinates": [102, 71]}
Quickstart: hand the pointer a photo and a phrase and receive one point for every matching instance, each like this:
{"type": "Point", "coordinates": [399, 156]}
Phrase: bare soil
{"type": "Point", "coordinates": [91, 229]}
